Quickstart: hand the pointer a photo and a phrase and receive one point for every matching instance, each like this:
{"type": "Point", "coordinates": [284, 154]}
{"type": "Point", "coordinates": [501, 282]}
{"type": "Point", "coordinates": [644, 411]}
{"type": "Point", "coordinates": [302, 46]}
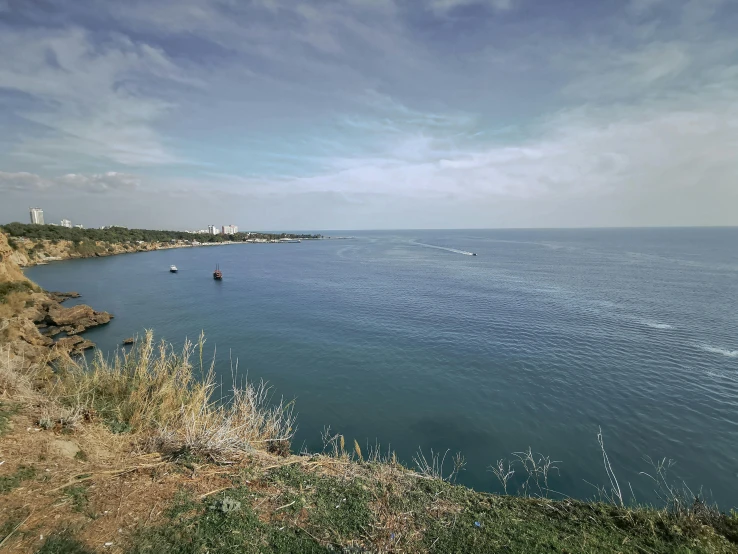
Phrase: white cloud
{"type": "Point", "coordinates": [90, 99]}
{"type": "Point", "coordinates": [72, 182]}
{"type": "Point", "coordinates": [444, 6]}
{"type": "Point", "coordinates": [639, 110]}
{"type": "Point", "coordinates": [665, 156]}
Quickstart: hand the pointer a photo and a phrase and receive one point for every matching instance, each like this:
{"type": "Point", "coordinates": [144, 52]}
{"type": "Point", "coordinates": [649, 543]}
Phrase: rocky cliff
{"type": "Point", "coordinates": [30, 252]}
{"type": "Point", "coordinates": [30, 317]}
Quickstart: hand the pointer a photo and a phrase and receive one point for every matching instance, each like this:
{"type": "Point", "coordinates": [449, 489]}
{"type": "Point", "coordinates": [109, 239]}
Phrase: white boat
{"type": "Point", "coordinates": [173, 269]}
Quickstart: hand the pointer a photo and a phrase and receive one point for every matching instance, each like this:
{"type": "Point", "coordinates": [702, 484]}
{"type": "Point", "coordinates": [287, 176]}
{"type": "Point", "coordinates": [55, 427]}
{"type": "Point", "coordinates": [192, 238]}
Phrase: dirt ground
{"type": "Point", "coordinates": [88, 482]}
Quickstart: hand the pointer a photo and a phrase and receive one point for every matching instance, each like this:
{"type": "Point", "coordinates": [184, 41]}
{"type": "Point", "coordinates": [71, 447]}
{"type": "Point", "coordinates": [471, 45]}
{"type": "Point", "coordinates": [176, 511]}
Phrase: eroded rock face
{"type": "Point", "coordinates": [24, 341]}
{"type": "Point", "coordinates": [62, 296]}
{"type": "Point", "coordinates": [73, 345]}
{"type": "Point", "coordinates": [20, 329]}
{"type": "Point", "coordinates": [75, 319]}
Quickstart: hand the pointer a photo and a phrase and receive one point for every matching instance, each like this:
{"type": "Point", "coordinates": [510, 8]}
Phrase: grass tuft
{"type": "Point", "coordinates": [63, 543]}
{"type": "Point", "coordinates": [162, 398]}
{"type": "Point", "coordinates": [7, 411]}
{"type": "Point", "coordinates": [10, 482]}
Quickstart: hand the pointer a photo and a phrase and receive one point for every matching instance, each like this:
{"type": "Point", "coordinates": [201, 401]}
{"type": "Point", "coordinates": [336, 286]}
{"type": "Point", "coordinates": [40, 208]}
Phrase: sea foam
{"type": "Point", "coordinates": [717, 350]}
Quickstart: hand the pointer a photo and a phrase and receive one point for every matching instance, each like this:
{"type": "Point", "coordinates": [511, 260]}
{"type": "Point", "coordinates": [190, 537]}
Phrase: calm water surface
{"type": "Point", "coordinates": [538, 341]}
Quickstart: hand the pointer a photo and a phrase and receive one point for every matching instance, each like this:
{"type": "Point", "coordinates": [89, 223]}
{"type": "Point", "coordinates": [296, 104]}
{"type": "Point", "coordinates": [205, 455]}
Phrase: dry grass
{"type": "Point", "coordinates": [15, 381]}
{"type": "Point", "coordinates": [169, 404]}
{"type": "Point", "coordinates": [13, 302]}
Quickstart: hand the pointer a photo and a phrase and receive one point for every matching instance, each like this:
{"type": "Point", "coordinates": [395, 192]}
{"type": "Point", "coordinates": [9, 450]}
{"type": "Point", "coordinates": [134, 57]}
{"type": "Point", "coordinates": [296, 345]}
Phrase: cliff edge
{"type": "Point", "coordinates": [30, 317]}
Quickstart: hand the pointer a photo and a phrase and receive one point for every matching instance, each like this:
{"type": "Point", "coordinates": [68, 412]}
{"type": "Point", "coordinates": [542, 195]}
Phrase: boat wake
{"type": "Point", "coordinates": [717, 350]}
{"type": "Point", "coordinates": [656, 324]}
{"type": "Point", "coordinates": [454, 250]}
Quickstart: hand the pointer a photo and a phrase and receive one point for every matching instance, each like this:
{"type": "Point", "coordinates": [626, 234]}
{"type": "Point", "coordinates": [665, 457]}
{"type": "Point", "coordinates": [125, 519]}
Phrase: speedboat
{"type": "Point", "coordinates": [173, 269]}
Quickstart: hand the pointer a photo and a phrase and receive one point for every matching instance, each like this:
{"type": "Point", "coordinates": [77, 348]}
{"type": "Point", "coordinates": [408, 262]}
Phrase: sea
{"type": "Point", "coordinates": [543, 340]}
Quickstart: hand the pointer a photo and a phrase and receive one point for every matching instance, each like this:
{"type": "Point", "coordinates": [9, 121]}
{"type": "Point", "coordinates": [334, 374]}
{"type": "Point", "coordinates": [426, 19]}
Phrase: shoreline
{"type": "Point", "coordinates": [26, 258]}
{"type": "Point", "coordinates": [31, 245]}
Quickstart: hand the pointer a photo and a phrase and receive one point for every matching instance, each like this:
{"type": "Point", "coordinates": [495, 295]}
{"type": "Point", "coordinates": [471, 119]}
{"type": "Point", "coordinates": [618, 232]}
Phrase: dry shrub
{"type": "Point", "coordinates": [15, 382]}
{"type": "Point", "coordinates": [159, 396]}
{"type": "Point", "coordinates": [13, 304]}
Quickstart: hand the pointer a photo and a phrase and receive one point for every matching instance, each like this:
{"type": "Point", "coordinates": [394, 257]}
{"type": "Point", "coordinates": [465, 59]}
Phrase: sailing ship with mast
{"type": "Point", "coordinates": [217, 275]}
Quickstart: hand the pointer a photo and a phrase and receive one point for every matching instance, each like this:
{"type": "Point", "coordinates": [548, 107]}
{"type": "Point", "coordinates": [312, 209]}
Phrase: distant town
{"type": "Point", "coordinates": [37, 218]}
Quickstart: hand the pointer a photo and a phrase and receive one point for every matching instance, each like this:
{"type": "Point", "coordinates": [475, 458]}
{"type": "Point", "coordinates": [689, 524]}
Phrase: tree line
{"type": "Point", "coordinates": [120, 235]}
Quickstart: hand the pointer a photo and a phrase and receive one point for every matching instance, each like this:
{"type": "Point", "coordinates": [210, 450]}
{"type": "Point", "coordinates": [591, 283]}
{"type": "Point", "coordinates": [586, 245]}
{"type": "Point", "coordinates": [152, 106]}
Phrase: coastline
{"type": "Point", "coordinates": [118, 457]}
{"type": "Point", "coordinates": [31, 253]}
{"type": "Point", "coordinates": [40, 244]}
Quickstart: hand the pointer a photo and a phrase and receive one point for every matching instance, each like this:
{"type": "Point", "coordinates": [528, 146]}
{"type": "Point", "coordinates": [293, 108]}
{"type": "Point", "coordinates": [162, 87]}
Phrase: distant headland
{"type": "Point", "coordinates": [35, 244]}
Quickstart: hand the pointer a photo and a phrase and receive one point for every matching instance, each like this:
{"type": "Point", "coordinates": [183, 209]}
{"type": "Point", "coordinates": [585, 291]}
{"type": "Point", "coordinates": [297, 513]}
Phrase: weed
{"type": "Point", "coordinates": [78, 496]}
{"type": "Point", "coordinates": [434, 468]}
{"type": "Point", "coordinates": [182, 503]}
{"type": "Point", "coordinates": [81, 456]}
{"type": "Point", "coordinates": [6, 412]}
{"type": "Point", "coordinates": [117, 427]}
{"type": "Point", "coordinates": [14, 519]}
{"type": "Point", "coordinates": [63, 543]}
{"type": "Point", "coordinates": [10, 482]}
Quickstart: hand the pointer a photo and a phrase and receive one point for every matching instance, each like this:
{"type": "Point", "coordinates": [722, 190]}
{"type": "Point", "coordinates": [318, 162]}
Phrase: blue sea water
{"type": "Point", "coordinates": [540, 340]}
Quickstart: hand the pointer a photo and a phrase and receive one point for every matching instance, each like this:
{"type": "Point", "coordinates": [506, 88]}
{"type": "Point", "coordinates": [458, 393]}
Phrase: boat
{"type": "Point", "coordinates": [217, 275]}
{"type": "Point", "coordinates": [173, 269]}
{"type": "Point", "coordinates": [474, 253]}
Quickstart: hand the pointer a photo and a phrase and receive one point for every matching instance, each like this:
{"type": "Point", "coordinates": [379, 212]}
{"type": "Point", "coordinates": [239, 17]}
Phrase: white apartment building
{"type": "Point", "coordinates": [230, 229]}
{"type": "Point", "coordinates": [213, 230]}
{"type": "Point", "coordinates": [37, 216]}
{"type": "Point", "coordinates": [66, 223]}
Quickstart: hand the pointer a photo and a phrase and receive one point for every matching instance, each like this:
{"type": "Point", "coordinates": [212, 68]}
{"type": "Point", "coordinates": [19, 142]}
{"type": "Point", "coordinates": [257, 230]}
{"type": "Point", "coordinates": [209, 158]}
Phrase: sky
{"type": "Point", "coordinates": [370, 114]}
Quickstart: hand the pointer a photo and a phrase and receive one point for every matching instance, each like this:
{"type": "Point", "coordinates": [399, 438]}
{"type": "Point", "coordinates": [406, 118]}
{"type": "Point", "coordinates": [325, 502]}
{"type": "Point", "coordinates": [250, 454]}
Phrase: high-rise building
{"type": "Point", "coordinates": [229, 229]}
{"type": "Point", "coordinates": [213, 230]}
{"type": "Point", "coordinates": [37, 216]}
{"type": "Point", "coordinates": [66, 223]}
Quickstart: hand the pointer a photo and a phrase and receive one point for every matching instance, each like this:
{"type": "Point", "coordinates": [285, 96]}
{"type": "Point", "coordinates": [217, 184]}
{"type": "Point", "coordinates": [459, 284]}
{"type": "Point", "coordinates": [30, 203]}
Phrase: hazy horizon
{"type": "Point", "coordinates": [370, 115]}
{"type": "Point", "coordinates": [401, 229]}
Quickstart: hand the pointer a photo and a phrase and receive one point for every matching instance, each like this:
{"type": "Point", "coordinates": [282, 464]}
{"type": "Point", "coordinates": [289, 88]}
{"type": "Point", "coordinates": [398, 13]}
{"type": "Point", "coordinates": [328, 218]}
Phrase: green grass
{"type": "Point", "coordinates": [13, 520]}
{"type": "Point", "coordinates": [293, 509]}
{"type": "Point", "coordinates": [78, 496]}
{"type": "Point", "coordinates": [63, 543]}
{"type": "Point", "coordinates": [6, 412]}
{"type": "Point", "coordinates": [311, 513]}
{"type": "Point", "coordinates": [456, 519]}
{"type": "Point", "coordinates": [195, 527]}
{"type": "Point", "coordinates": [10, 482]}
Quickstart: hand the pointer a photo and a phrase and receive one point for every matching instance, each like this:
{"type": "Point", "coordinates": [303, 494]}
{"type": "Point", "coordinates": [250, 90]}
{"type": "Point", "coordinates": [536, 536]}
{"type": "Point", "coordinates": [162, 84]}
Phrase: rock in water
{"type": "Point", "coordinates": [62, 296]}
{"type": "Point", "coordinates": [73, 345]}
{"type": "Point", "coordinates": [78, 318]}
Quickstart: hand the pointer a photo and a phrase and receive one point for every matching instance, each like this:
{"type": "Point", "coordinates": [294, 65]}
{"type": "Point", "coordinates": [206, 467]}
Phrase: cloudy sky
{"type": "Point", "coordinates": [368, 114]}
